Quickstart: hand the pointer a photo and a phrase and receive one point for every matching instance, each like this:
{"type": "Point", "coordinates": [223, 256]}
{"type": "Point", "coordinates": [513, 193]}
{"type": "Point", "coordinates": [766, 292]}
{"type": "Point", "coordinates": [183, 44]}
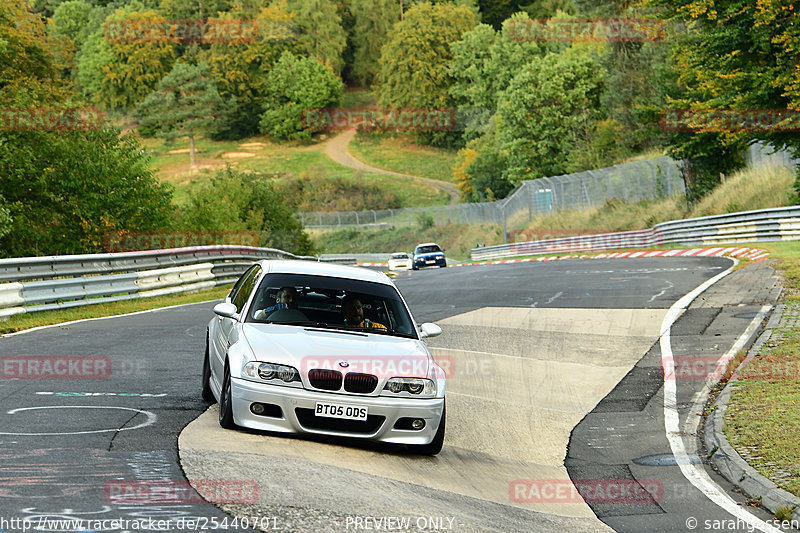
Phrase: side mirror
{"type": "Point", "coordinates": [429, 329]}
{"type": "Point", "coordinates": [226, 309]}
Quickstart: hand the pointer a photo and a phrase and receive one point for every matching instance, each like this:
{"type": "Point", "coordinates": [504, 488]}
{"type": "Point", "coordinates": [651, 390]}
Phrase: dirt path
{"type": "Point", "coordinates": [336, 149]}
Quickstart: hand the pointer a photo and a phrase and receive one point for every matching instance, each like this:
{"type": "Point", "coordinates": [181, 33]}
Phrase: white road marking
{"type": "Point", "coordinates": [555, 296]}
{"type": "Point", "coordinates": [664, 290]}
{"type": "Point", "coordinates": [691, 471]}
{"type": "Point", "coordinates": [151, 419]}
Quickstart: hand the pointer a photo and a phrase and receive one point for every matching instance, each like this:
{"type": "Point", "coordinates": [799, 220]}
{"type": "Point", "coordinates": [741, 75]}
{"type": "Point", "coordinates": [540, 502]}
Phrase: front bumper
{"type": "Point", "coordinates": [290, 399]}
{"type": "Point", "coordinates": [423, 262]}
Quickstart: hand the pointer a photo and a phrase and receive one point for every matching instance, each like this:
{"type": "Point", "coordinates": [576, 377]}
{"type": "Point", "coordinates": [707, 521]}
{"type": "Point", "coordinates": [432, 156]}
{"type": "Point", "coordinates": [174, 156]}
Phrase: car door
{"type": "Point", "coordinates": [225, 327]}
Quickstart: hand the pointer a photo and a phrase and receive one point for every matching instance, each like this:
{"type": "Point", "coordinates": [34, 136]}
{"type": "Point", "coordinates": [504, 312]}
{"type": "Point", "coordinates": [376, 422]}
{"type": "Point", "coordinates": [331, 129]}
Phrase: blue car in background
{"type": "Point", "coordinates": [428, 255]}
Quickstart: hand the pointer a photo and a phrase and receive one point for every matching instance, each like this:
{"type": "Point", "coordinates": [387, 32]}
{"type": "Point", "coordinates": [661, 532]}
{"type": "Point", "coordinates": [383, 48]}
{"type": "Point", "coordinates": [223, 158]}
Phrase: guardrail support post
{"type": "Point", "coordinates": [505, 232]}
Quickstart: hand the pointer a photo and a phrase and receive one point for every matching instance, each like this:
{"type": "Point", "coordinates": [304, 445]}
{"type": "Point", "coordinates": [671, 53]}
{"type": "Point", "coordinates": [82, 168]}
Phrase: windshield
{"type": "Point", "coordinates": [428, 249]}
{"type": "Point", "coordinates": [327, 302]}
{"type": "Point", "coordinates": [399, 256]}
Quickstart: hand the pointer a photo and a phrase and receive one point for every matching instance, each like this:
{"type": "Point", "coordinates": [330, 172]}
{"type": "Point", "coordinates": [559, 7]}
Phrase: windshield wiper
{"type": "Point", "coordinates": [379, 331]}
{"type": "Point", "coordinates": [296, 323]}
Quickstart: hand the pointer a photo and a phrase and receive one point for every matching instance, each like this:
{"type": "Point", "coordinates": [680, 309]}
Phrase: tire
{"type": "Point", "coordinates": [442, 266]}
{"type": "Point", "coordinates": [226, 402]}
{"type": "Point", "coordinates": [435, 446]}
{"type": "Point", "coordinates": [207, 393]}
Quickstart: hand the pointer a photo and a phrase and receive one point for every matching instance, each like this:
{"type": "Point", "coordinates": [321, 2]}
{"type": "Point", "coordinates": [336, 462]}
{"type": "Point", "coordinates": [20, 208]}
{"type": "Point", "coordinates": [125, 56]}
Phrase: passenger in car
{"type": "Point", "coordinates": [353, 312]}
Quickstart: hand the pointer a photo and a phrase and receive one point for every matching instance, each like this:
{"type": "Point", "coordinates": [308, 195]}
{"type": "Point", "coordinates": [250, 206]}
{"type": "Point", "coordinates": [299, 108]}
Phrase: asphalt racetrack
{"type": "Point", "coordinates": [554, 380]}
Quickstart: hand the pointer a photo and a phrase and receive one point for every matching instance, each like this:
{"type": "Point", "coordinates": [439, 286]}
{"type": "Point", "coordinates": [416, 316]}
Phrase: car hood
{"type": "Point", "coordinates": [306, 348]}
{"type": "Point", "coordinates": [430, 255]}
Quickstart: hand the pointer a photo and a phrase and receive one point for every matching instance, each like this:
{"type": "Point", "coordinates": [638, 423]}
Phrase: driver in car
{"type": "Point", "coordinates": [285, 308]}
{"type": "Point", "coordinates": [353, 313]}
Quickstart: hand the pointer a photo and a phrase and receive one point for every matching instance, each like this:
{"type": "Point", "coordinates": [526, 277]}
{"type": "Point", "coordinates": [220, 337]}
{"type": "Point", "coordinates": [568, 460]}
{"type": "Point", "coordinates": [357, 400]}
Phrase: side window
{"type": "Point", "coordinates": [238, 284]}
{"type": "Point", "coordinates": [248, 282]}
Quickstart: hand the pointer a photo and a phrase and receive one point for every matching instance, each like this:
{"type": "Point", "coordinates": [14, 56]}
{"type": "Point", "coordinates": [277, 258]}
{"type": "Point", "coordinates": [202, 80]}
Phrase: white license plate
{"type": "Point", "coordinates": [335, 410]}
{"type": "Point", "coordinates": [430, 261]}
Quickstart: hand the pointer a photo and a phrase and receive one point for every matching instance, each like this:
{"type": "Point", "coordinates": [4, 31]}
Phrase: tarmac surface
{"type": "Point", "coordinates": [538, 351]}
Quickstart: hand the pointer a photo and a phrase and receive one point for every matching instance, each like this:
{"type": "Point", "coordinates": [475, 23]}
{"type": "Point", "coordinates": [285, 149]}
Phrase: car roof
{"type": "Point", "coordinates": [427, 244]}
{"type": "Point", "coordinates": [324, 269]}
{"type": "Point", "coordinates": [399, 253]}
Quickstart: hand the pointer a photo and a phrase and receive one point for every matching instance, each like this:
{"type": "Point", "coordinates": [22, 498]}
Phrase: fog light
{"type": "Point", "coordinates": [257, 408]}
{"type": "Point", "coordinates": [418, 423]}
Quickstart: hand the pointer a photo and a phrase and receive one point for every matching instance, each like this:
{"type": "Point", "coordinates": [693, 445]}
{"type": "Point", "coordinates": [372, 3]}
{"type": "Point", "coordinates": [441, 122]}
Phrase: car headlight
{"type": "Point", "coordinates": [418, 387]}
{"type": "Point", "coordinates": [278, 374]}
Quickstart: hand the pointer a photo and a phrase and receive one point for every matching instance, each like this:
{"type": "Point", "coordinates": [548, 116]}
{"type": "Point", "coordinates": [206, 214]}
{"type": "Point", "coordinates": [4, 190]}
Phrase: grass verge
{"type": "Point", "coordinates": [400, 154]}
{"type": "Point", "coordinates": [456, 239]}
{"type": "Point", "coordinates": [763, 417]}
{"type": "Point", "coordinates": [295, 160]}
{"type": "Point", "coordinates": [46, 318]}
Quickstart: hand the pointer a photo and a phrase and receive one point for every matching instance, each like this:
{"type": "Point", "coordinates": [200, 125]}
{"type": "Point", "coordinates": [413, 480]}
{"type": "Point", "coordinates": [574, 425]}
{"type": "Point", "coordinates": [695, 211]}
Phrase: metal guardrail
{"type": "Point", "coordinates": [763, 225]}
{"type": "Point", "coordinates": [33, 284]}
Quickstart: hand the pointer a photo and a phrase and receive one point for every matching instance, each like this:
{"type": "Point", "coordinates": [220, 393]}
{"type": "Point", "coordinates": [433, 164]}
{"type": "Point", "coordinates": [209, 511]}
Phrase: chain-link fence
{"type": "Point", "coordinates": [761, 153]}
{"type": "Point", "coordinates": [639, 180]}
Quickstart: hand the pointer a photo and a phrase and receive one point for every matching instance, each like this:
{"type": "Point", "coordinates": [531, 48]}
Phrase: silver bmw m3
{"type": "Point", "coordinates": [305, 347]}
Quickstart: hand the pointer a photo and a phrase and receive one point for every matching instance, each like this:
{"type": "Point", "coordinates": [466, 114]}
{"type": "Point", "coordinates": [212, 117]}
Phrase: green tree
{"type": "Point", "coordinates": [543, 9]}
{"type": "Point", "coordinates": [241, 69]}
{"type": "Point", "coordinates": [639, 78]}
{"type": "Point", "coordinates": [185, 103]}
{"type": "Point", "coordinates": [32, 59]}
{"type": "Point", "coordinates": [484, 62]}
{"type": "Point", "coordinates": [373, 23]}
{"type": "Point", "coordinates": [414, 62]}
{"type": "Point", "coordinates": [237, 201]}
{"type": "Point", "coordinates": [66, 191]}
{"type": "Point", "coordinates": [95, 55]}
{"type": "Point", "coordinates": [494, 12]}
{"type": "Point", "coordinates": [192, 10]}
{"type": "Point", "coordinates": [480, 173]}
{"type": "Point", "coordinates": [71, 19]}
{"type": "Point", "coordinates": [295, 86]}
{"type": "Point", "coordinates": [730, 55]}
{"type": "Point", "coordinates": [119, 71]}
{"type": "Point", "coordinates": [63, 190]}
{"type": "Point", "coordinates": [320, 31]}
{"type": "Point", "coordinates": [348, 22]}
{"type": "Point", "coordinates": [5, 218]}
{"type": "Point", "coordinates": [548, 108]}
